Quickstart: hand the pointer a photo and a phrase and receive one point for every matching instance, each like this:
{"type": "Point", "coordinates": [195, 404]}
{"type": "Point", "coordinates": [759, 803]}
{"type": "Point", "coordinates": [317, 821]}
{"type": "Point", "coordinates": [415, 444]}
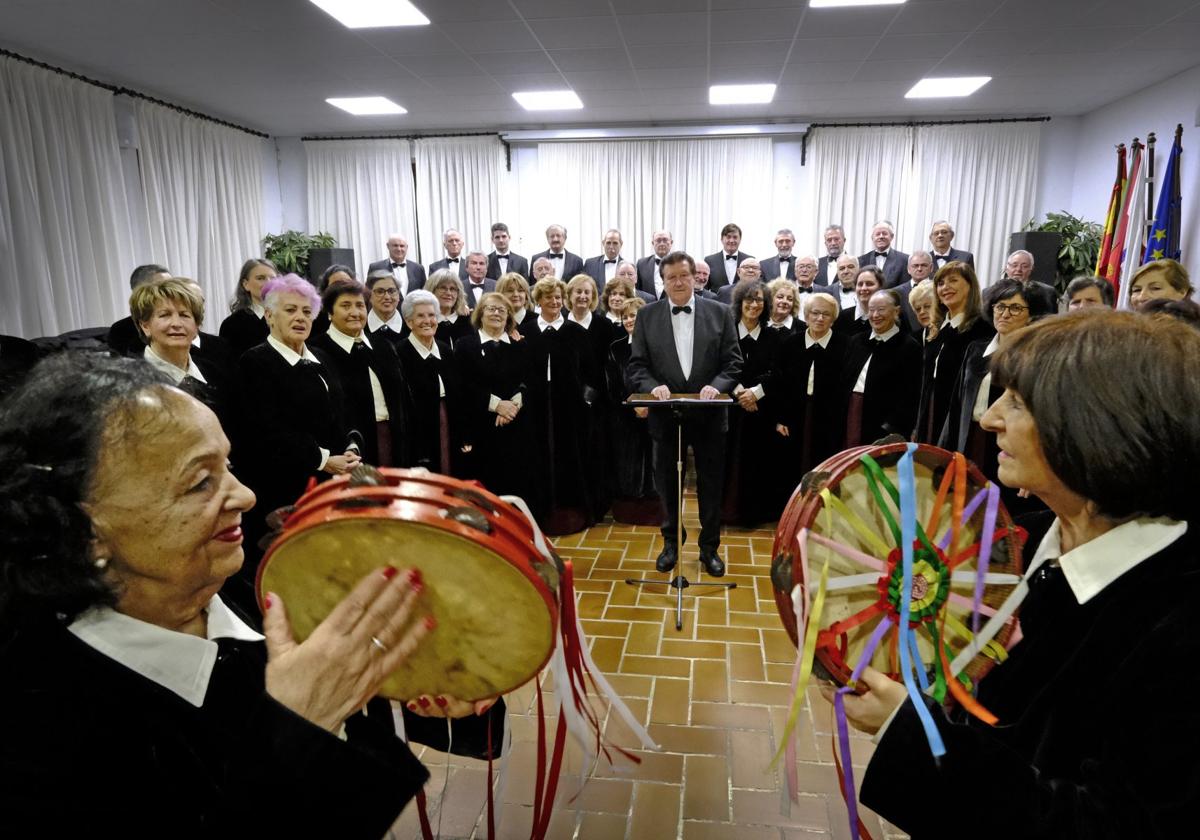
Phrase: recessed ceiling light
{"type": "Point", "coordinates": [548, 100]}
{"type": "Point", "coordinates": [948, 86]}
{"type": "Point", "coordinates": [366, 14]}
{"type": "Point", "coordinates": [831, 4]}
{"type": "Point", "coordinates": [740, 94]}
{"type": "Point", "coordinates": [363, 105]}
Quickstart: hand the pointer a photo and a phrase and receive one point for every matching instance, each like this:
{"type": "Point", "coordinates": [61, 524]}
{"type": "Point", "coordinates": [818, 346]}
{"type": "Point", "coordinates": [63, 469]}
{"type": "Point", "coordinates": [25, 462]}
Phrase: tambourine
{"type": "Point", "coordinates": [492, 592]}
{"type": "Point", "coordinates": [848, 509]}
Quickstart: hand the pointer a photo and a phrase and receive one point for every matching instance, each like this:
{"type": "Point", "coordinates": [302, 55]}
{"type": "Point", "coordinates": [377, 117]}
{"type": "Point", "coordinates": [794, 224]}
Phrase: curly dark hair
{"type": "Point", "coordinates": [50, 437]}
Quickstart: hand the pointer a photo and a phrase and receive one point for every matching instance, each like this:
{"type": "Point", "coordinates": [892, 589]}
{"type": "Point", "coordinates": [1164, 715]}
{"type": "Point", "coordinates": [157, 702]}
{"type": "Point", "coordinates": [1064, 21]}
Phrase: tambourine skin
{"type": "Point", "coordinates": [487, 586]}
{"type": "Point", "coordinates": [843, 475]}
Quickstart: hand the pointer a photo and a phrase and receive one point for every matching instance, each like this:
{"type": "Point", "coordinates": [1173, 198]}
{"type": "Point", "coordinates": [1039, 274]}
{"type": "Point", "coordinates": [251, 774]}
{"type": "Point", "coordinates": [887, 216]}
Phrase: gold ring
{"type": "Point", "coordinates": [375, 641]}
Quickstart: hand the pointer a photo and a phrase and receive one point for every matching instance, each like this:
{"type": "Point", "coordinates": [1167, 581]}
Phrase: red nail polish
{"type": "Point", "coordinates": [430, 622]}
{"type": "Point", "coordinates": [424, 702]}
{"type": "Point", "coordinates": [412, 707]}
{"type": "Point", "coordinates": [417, 586]}
{"type": "Point", "coordinates": [267, 603]}
{"type": "Point", "coordinates": [414, 577]}
{"type": "Point", "coordinates": [389, 572]}
{"type": "Point", "coordinates": [440, 700]}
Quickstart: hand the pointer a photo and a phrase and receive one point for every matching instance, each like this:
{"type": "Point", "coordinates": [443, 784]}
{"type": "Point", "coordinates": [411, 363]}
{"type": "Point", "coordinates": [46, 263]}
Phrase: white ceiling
{"type": "Point", "coordinates": [270, 64]}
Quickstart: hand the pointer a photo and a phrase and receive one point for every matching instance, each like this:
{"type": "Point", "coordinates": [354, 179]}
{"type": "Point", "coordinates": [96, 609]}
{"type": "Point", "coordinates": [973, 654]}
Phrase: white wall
{"type": "Point", "coordinates": [1056, 165]}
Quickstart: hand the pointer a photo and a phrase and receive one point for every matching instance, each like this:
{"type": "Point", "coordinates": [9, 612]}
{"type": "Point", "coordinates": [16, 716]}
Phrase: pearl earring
{"type": "Point", "coordinates": [101, 562]}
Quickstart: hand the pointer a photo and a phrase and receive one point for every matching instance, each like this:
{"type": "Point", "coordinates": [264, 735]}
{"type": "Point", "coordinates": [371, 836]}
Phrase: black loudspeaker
{"type": "Point", "coordinates": [320, 259]}
{"type": "Point", "coordinates": [1044, 246]}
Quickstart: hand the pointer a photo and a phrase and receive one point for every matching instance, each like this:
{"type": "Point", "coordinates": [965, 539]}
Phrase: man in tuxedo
{"type": "Point", "coordinates": [847, 274]}
{"type": "Point", "coordinates": [478, 283]}
{"type": "Point", "coordinates": [408, 274]}
{"type": "Point", "coordinates": [542, 267]}
{"type": "Point", "coordinates": [124, 337]}
{"type": "Point", "coordinates": [604, 267]}
{"type": "Point", "coordinates": [783, 264]}
{"type": "Point", "coordinates": [649, 279]}
{"type": "Point", "coordinates": [687, 344]}
{"type": "Point", "coordinates": [502, 260]}
{"type": "Point", "coordinates": [1019, 266]}
{"type": "Point", "coordinates": [835, 243]}
{"type": "Point", "coordinates": [453, 242]}
{"type": "Point", "coordinates": [893, 263]}
{"type": "Point", "coordinates": [806, 272]}
{"type": "Point", "coordinates": [940, 237]}
{"type": "Point", "coordinates": [700, 282]}
{"type": "Point", "coordinates": [725, 262]}
{"type": "Point", "coordinates": [566, 265]}
{"type": "Point", "coordinates": [747, 272]}
{"type": "Point", "coordinates": [920, 267]}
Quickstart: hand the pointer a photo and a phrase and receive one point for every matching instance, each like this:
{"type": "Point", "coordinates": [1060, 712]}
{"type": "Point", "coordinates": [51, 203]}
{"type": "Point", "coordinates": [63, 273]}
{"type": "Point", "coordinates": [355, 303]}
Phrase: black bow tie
{"type": "Point", "coordinates": [881, 253]}
{"type": "Point", "coordinates": [451, 260]}
{"type": "Point", "coordinates": [399, 265]}
{"type": "Point", "coordinates": [658, 260]}
{"type": "Point", "coordinates": [785, 259]}
{"type": "Point", "coordinates": [675, 310]}
{"type": "Point", "coordinates": [610, 262]}
{"type": "Point", "coordinates": [478, 285]}
{"type": "Point", "coordinates": [555, 256]}
{"type": "Point", "coordinates": [730, 257]}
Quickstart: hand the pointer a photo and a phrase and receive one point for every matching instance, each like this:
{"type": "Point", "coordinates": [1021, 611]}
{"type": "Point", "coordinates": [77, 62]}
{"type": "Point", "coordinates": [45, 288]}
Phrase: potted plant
{"type": "Point", "coordinates": [290, 250]}
{"type": "Point", "coordinates": [1078, 245]}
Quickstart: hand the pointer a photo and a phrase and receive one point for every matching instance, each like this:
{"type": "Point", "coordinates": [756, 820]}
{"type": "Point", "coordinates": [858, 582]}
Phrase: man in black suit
{"type": "Point", "coordinates": [847, 275]}
{"type": "Point", "coordinates": [124, 338]}
{"type": "Point", "coordinates": [835, 243]}
{"type": "Point", "coordinates": [478, 283]}
{"type": "Point", "coordinates": [700, 282]}
{"type": "Point", "coordinates": [747, 272]}
{"type": "Point", "coordinates": [604, 267]}
{"type": "Point", "coordinates": [806, 272]}
{"type": "Point", "coordinates": [566, 265]}
{"type": "Point", "coordinates": [1019, 266]}
{"type": "Point", "coordinates": [893, 263]}
{"type": "Point", "coordinates": [542, 268]}
{"type": "Point", "coordinates": [723, 264]}
{"type": "Point", "coordinates": [920, 267]}
{"type": "Point", "coordinates": [408, 274]}
{"type": "Point", "coordinates": [687, 344]}
{"type": "Point", "coordinates": [783, 264]}
{"type": "Point", "coordinates": [940, 237]}
{"type": "Point", "coordinates": [501, 260]}
{"type": "Point", "coordinates": [453, 242]}
{"type": "Point", "coordinates": [649, 280]}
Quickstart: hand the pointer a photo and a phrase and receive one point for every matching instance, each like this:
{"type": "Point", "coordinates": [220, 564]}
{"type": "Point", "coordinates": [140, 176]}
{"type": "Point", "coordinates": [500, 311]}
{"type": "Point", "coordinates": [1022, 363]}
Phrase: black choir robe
{"type": "Point", "coordinates": [352, 372]}
{"type": "Point", "coordinates": [892, 388]}
{"type": "Point", "coordinates": [631, 473]}
{"type": "Point", "coordinates": [242, 330]}
{"type": "Point", "coordinates": [425, 425]}
{"type": "Point", "coordinates": [17, 356]}
{"type": "Point", "coordinates": [753, 453]}
{"type": "Point", "coordinates": [945, 353]}
{"type": "Point", "coordinates": [498, 456]}
{"type": "Point", "coordinates": [818, 419]}
{"type": "Point", "coordinates": [449, 333]}
{"type": "Point", "coordinates": [601, 333]}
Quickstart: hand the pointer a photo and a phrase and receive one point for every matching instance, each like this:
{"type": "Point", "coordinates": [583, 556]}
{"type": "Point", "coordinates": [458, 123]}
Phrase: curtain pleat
{"type": "Point", "coordinates": [459, 182]}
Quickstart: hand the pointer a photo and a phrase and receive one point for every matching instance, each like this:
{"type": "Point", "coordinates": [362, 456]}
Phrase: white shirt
{"type": "Point", "coordinates": [831, 278]}
{"type": "Point", "coordinates": [559, 261]}
{"type": "Point", "coordinates": [848, 298]}
{"type": "Point", "coordinates": [881, 259]}
{"type": "Point", "coordinates": [860, 386]}
{"type": "Point", "coordinates": [758, 390]}
{"type": "Point", "coordinates": [585, 323]}
{"type": "Point", "coordinates": [159, 363]}
{"type": "Point", "coordinates": [985, 386]}
{"type": "Point", "coordinates": [502, 261]}
{"type": "Point", "coordinates": [683, 325]}
{"type": "Point", "coordinates": [425, 352]}
{"type": "Point", "coordinates": [658, 281]}
{"type": "Point", "coordinates": [347, 343]}
{"type": "Point", "coordinates": [395, 323]}
{"type": "Point", "coordinates": [292, 358]}
{"type": "Point", "coordinates": [400, 274]}
{"type": "Point", "coordinates": [179, 662]}
{"type": "Point", "coordinates": [610, 268]}
{"type": "Point", "coordinates": [809, 341]}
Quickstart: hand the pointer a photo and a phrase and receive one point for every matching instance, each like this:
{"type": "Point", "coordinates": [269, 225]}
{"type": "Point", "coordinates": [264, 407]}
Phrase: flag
{"type": "Point", "coordinates": [1133, 226]}
{"type": "Point", "coordinates": [1163, 241]}
{"type": "Point", "coordinates": [1110, 269]}
{"type": "Point", "coordinates": [1114, 210]}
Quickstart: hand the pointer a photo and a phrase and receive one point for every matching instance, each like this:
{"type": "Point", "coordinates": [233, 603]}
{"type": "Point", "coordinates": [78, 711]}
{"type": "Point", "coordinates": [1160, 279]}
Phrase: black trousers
{"type": "Point", "coordinates": [707, 442]}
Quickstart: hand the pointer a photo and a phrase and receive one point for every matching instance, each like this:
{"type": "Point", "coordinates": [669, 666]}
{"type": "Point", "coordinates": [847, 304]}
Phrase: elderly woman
{"type": "Point", "coordinates": [246, 326]}
{"type": "Point", "coordinates": [1159, 279]}
{"type": "Point", "coordinates": [556, 357]}
{"type": "Point", "coordinates": [384, 321]}
{"type": "Point", "coordinates": [453, 315]}
{"type": "Point", "coordinates": [868, 281]}
{"type": "Point", "coordinates": [516, 291]}
{"type": "Point", "coordinates": [783, 306]}
{"type": "Point", "coordinates": [617, 292]}
{"type": "Point", "coordinates": [928, 309]}
{"type": "Point", "coordinates": [428, 366]}
{"type": "Point", "coordinates": [1087, 292]}
{"type": "Point", "coordinates": [601, 332]}
{"type": "Point", "coordinates": [751, 497]}
{"type": "Point", "coordinates": [810, 416]}
{"type": "Point", "coordinates": [492, 367]}
{"type": "Point", "coordinates": [631, 473]}
{"type": "Point", "coordinates": [132, 680]}
{"type": "Point", "coordinates": [584, 302]}
{"type": "Point", "coordinates": [958, 291]}
{"type": "Point", "coordinates": [1112, 594]}
{"type": "Point", "coordinates": [1013, 305]}
{"type": "Point", "coordinates": [881, 376]}
{"type": "Point", "coordinates": [369, 374]}
{"type": "Point", "coordinates": [335, 272]}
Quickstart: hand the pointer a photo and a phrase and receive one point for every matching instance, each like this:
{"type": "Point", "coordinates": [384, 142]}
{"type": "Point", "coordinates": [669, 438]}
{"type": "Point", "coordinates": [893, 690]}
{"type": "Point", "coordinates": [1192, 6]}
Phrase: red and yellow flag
{"type": "Point", "coordinates": [1112, 217]}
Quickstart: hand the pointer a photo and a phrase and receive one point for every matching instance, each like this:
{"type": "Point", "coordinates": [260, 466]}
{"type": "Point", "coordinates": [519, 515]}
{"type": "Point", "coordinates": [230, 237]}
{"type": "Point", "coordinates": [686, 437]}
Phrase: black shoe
{"type": "Point", "coordinates": [669, 557]}
{"type": "Point", "coordinates": [713, 564]}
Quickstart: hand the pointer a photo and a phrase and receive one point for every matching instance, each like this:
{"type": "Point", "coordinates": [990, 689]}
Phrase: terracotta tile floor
{"type": "Point", "coordinates": [714, 696]}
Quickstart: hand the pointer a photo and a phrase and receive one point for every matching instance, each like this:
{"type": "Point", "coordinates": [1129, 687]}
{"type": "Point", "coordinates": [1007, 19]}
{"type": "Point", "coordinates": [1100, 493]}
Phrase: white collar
{"type": "Point", "coordinates": [289, 355]}
{"type": "Point", "coordinates": [499, 255]}
{"type": "Point", "coordinates": [503, 339]}
{"type": "Point", "coordinates": [993, 345]}
{"type": "Point", "coordinates": [585, 323]}
{"type": "Point", "coordinates": [159, 363]}
{"type": "Point", "coordinates": [179, 662]}
{"type": "Point", "coordinates": [258, 309]}
{"type": "Point", "coordinates": [196, 341]}
{"type": "Point", "coordinates": [809, 341]}
{"type": "Point", "coordinates": [936, 254]}
{"type": "Point", "coordinates": [480, 284]}
{"type": "Point", "coordinates": [615, 318]}
{"type": "Point", "coordinates": [786, 322]}
{"type": "Point", "coordinates": [374, 322]}
{"type": "Point", "coordinates": [1091, 567]}
{"type": "Point", "coordinates": [743, 332]}
{"type": "Point", "coordinates": [545, 325]}
{"type": "Point", "coordinates": [449, 319]}
{"type": "Point", "coordinates": [423, 351]}
{"type": "Point", "coordinates": [344, 341]}
{"type": "Point", "coordinates": [894, 331]}
{"type": "Point", "coordinates": [956, 321]}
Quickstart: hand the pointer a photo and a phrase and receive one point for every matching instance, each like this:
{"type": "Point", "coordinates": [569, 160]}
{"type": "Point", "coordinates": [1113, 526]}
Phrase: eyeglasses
{"type": "Point", "coordinates": [1009, 308]}
{"type": "Point", "coordinates": [874, 310]}
{"type": "Point", "coordinates": [495, 309]}
{"type": "Point", "coordinates": [814, 314]}
{"type": "Point", "coordinates": [385, 292]}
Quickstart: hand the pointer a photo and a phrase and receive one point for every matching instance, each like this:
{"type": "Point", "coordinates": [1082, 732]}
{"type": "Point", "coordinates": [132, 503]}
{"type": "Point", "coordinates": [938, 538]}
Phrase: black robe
{"type": "Point", "coordinates": [450, 333]}
{"type": "Point", "coordinates": [498, 456]}
{"type": "Point", "coordinates": [242, 330]}
{"type": "Point", "coordinates": [425, 425]}
{"type": "Point", "coordinates": [631, 472]}
{"type": "Point", "coordinates": [753, 452]}
{"type": "Point", "coordinates": [817, 420]}
{"type": "Point", "coordinates": [17, 356]}
{"type": "Point", "coordinates": [945, 353]}
{"type": "Point", "coordinates": [892, 388]}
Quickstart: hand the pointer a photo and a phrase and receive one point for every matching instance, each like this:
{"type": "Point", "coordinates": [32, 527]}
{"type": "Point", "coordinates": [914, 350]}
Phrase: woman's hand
{"type": "Point", "coordinates": [340, 464]}
{"type": "Point", "coordinates": [507, 409]}
{"type": "Point", "coordinates": [641, 411]}
{"type": "Point", "coordinates": [747, 400]}
{"type": "Point", "coordinates": [336, 670]}
{"type": "Point", "coordinates": [466, 448]}
{"type": "Point", "coordinates": [782, 429]}
{"type": "Point", "coordinates": [870, 711]}
{"type": "Point", "coordinates": [448, 707]}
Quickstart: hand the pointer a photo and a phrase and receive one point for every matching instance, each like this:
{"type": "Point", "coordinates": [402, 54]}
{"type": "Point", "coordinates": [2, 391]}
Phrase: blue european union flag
{"type": "Point", "coordinates": [1163, 241]}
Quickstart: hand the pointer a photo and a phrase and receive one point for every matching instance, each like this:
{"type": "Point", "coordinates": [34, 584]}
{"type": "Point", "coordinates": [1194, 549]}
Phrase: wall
{"type": "Point", "coordinates": [1056, 165]}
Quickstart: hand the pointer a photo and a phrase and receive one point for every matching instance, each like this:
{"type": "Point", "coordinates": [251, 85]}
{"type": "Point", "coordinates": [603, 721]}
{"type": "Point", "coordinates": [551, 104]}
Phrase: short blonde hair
{"type": "Point", "coordinates": [922, 292]}
{"type": "Point", "coordinates": [1172, 272]}
{"type": "Point", "coordinates": [783, 283]}
{"type": "Point", "coordinates": [633, 305]}
{"type": "Point", "coordinates": [584, 280]}
{"type": "Point", "coordinates": [506, 283]}
{"type": "Point", "coordinates": [548, 286]}
{"type": "Point", "coordinates": [486, 300]}
{"type": "Point", "coordinates": [823, 297]}
{"type": "Point", "coordinates": [178, 290]}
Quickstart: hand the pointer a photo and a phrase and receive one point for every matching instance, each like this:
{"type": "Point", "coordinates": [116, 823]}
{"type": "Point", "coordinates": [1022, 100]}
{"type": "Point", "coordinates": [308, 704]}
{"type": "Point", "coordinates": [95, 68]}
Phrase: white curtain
{"type": "Point", "coordinates": [459, 184]}
{"type": "Point", "coordinates": [361, 191]}
{"type": "Point", "coordinates": [862, 175]}
{"type": "Point", "coordinates": [66, 249]}
{"type": "Point", "coordinates": [690, 187]}
{"type": "Point", "coordinates": [203, 188]}
{"type": "Point", "coordinates": [980, 178]}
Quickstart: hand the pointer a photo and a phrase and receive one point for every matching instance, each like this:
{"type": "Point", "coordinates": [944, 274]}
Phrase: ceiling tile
{"type": "Point", "coordinates": [531, 81]}
{"type": "Point", "coordinates": [478, 36]}
{"type": "Point", "coordinates": [650, 56]}
{"type": "Point", "coordinates": [909, 70]}
{"type": "Point", "coordinates": [664, 31]}
{"type": "Point", "coordinates": [667, 77]}
{"type": "Point", "coordinates": [753, 25]}
{"type": "Point", "coordinates": [829, 71]}
{"type": "Point", "coordinates": [845, 23]}
{"type": "Point", "coordinates": [832, 49]}
{"type": "Point", "coordinates": [515, 62]}
{"type": "Point", "coordinates": [532, 9]}
{"type": "Point", "coordinates": [455, 64]}
{"type": "Point", "coordinates": [764, 74]}
{"type": "Point", "coordinates": [622, 79]}
{"type": "Point", "coordinates": [570, 32]}
{"type": "Point", "coordinates": [939, 16]}
{"type": "Point", "coordinates": [599, 59]}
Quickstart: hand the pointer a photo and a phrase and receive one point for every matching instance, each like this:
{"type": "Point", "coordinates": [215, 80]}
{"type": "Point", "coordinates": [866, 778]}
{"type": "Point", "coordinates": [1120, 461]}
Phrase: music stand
{"type": "Point", "coordinates": [676, 403]}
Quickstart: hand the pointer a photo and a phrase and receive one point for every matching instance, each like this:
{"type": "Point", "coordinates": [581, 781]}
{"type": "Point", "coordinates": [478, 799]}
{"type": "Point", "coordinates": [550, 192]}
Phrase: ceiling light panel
{"type": "Point", "coordinates": [934, 88]}
{"type": "Point", "coordinates": [741, 94]}
{"type": "Point", "coordinates": [548, 100]}
{"type": "Point", "coordinates": [362, 106]}
{"type": "Point", "coordinates": [370, 14]}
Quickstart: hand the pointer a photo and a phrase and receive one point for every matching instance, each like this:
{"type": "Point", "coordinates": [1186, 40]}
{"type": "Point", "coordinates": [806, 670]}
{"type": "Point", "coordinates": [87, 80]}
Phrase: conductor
{"type": "Point", "coordinates": [686, 344]}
